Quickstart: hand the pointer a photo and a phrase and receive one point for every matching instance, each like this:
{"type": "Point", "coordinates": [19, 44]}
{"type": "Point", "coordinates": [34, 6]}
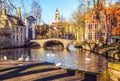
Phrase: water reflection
{"type": "Point", "coordinates": [21, 54]}
{"type": "Point", "coordinates": [80, 60]}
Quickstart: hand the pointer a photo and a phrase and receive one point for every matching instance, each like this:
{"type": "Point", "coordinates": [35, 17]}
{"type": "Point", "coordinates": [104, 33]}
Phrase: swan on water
{"type": "Point", "coordinates": [58, 64]}
{"type": "Point", "coordinates": [21, 58]}
{"type": "Point", "coordinates": [5, 57]}
{"type": "Point", "coordinates": [27, 59]}
{"type": "Point", "coordinates": [50, 55]}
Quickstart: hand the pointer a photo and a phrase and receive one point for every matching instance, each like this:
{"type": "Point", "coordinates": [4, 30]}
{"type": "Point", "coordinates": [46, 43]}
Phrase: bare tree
{"type": "Point", "coordinates": [9, 6]}
{"type": "Point", "coordinates": [36, 11]}
{"type": "Point", "coordinates": [78, 22]}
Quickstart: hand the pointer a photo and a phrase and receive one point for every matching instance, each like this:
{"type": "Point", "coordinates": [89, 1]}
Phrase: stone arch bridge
{"type": "Point", "coordinates": [42, 42]}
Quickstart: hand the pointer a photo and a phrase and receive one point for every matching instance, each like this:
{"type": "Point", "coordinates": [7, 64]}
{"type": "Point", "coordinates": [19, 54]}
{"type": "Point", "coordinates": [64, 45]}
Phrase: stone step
{"type": "Point", "coordinates": [40, 76]}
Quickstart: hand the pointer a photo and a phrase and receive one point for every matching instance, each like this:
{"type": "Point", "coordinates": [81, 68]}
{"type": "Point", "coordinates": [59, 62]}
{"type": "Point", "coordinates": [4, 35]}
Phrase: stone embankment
{"type": "Point", "coordinates": [112, 51]}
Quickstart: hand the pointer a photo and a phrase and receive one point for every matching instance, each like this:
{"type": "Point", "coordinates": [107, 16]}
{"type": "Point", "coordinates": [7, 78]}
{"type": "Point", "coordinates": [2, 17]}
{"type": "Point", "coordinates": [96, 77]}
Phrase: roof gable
{"type": "Point", "coordinates": [31, 18]}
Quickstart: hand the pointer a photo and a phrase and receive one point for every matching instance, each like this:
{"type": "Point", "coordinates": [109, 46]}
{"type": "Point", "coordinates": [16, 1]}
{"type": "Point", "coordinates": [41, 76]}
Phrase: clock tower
{"type": "Point", "coordinates": [57, 17]}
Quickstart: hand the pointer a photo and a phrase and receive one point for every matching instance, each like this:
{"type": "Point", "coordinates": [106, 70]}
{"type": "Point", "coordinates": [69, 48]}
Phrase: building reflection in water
{"type": "Point", "coordinates": [15, 54]}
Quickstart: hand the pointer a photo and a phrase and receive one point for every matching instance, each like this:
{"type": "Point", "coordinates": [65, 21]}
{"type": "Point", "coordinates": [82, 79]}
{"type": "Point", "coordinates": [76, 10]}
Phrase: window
{"type": "Point", "coordinates": [96, 26]}
{"type": "Point", "coordinates": [17, 29]}
{"type": "Point", "coordinates": [102, 16]}
{"type": "Point", "coordinates": [13, 31]}
{"type": "Point", "coordinates": [90, 36]}
{"type": "Point", "coordinates": [21, 29]}
{"type": "Point", "coordinates": [103, 33]}
{"type": "Point", "coordinates": [90, 26]}
{"type": "Point", "coordinates": [21, 38]}
{"type": "Point", "coordinates": [94, 17]}
{"type": "Point", "coordinates": [96, 35]}
{"type": "Point", "coordinates": [13, 38]}
{"type": "Point", "coordinates": [17, 38]}
{"type": "Point", "coordinates": [103, 26]}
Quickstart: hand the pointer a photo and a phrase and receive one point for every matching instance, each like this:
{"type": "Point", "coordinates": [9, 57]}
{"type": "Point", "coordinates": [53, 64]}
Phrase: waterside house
{"type": "Point", "coordinates": [12, 30]}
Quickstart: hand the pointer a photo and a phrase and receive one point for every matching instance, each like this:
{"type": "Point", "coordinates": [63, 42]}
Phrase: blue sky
{"type": "Point", "coordinates": [66, 7]}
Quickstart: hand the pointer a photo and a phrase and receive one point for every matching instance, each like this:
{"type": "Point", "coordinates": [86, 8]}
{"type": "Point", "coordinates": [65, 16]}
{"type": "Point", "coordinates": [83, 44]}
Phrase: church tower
{"type": "Point", "coordinates": [57, 17]}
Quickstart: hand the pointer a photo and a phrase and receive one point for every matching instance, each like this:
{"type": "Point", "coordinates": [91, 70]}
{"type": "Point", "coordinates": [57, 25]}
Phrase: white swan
{"type": "Point", "coordinates": [48, 54]}
{"type": "Point", "coordinates": [27, 59]}
{"type": "Point", "coordinates": [21, 58]}
{"type": "Point", "coordinates": [5, 57]}
{"type": "Point", "coordinates": [58, 64]}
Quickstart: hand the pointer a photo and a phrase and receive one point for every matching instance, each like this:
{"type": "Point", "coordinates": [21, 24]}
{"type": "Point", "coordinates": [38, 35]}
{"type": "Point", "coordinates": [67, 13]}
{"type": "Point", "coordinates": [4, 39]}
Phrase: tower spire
{"type": "Point", "coordinates": [57, 17]}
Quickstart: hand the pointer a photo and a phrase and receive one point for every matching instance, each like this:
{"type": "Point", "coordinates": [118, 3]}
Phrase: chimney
{"type": "Point", "coordinates": [3, 11]}
{"type": "Point", "coordinates": [19, 12]}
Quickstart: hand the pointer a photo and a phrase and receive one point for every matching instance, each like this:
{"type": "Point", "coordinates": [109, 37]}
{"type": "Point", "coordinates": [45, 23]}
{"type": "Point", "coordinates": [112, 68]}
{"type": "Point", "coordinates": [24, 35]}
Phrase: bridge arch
{"type": "Point", "coordinates": [42, 42]}
{"type": "Point", "coordinates": [32, 44]}
{"type": "Point", "coordinates": [52, 42]}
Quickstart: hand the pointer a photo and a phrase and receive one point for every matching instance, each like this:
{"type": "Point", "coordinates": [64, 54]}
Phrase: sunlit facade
{"type": "Point", "coordinates": [116, 22]}
{"type": "Point", "coordinates": [94, 27]}
{"type": "Point", "coordinates": [13, 30]}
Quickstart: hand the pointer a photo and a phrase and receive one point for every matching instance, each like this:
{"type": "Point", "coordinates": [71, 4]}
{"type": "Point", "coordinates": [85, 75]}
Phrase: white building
{"type": "Point", "coordinates": [30, 28]}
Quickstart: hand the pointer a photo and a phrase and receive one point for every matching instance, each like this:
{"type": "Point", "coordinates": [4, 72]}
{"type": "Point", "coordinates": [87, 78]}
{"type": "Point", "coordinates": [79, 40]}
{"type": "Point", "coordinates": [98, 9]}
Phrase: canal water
{"type": "Point", "coordinates": [75, 59]}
